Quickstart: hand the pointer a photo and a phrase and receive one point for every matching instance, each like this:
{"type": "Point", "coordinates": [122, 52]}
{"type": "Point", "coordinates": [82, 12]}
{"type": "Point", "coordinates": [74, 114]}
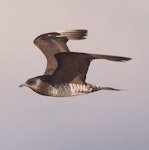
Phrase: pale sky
{"type": "Point", "coordinates": [103, 120]}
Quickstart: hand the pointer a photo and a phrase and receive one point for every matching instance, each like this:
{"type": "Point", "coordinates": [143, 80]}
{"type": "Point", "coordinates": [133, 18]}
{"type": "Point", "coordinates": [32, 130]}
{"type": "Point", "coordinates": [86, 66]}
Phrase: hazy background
{"type": "Point", "coordinates": [104, 120]}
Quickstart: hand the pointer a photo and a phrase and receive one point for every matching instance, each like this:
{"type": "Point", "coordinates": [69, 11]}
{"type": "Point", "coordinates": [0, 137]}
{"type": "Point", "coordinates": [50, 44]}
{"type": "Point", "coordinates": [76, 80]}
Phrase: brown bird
{"type": "Point", "coordinates": [66, 71]}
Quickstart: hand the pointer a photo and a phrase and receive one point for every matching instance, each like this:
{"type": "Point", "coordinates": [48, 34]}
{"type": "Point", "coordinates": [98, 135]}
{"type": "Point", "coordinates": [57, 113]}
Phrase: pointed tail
{"type": "Point", "coordinates": [109, 88]}
{"type": "Point", "coordinates": [94, 89]}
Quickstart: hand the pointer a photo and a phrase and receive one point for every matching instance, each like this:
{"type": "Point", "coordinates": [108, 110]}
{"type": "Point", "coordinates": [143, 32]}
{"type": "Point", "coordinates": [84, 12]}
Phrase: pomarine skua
{"type": "Point", "coordinates": [66, 71]}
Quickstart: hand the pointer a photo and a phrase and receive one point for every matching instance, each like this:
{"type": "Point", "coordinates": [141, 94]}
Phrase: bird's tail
{"type": "Point", "coordinates": [98, 88]}
{"type": "Point", "coordinates": [109, 88]}
{"type": "Point", "coordinates": [110, 57]}
{"type": "Point", "coordinates": [74, 34]}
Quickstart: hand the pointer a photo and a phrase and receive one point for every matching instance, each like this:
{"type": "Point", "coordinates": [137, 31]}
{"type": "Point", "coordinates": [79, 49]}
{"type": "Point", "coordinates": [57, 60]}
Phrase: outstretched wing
{"type": "Point", "coordinates": [55, 42]}
{"type": "Point", "coordinates": [73, 67]}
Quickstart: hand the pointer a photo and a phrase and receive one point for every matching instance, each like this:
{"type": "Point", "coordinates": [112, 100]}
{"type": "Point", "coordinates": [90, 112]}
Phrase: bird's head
{"type": "Point", "coordinates": [33, 83]}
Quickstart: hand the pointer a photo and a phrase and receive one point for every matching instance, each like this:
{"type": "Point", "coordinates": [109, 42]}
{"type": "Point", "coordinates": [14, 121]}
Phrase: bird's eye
{"type": "Point", "coordinates": [31, 82]}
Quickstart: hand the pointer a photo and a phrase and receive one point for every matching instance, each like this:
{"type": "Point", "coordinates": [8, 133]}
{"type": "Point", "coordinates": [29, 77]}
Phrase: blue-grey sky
{"type": "Point", "coordinates": [103, 120]}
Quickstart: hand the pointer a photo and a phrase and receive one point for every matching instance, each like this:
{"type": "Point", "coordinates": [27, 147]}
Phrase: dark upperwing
{"type": "Point", "coordinates": [55, 42]}
{"type": "Point", "coordinates": [73, 67]}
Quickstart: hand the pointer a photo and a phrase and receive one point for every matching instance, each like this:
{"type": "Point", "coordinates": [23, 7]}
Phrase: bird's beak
{"type": "Point", "coordinates": [22, 85]}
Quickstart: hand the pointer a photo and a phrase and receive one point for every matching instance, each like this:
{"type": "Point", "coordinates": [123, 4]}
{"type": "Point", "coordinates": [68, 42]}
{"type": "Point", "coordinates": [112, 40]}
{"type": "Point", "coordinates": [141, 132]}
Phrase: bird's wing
{"type": "Point", "coordinates": [55, 42]}
{"type": "Point", "coordinates": [73, 67]}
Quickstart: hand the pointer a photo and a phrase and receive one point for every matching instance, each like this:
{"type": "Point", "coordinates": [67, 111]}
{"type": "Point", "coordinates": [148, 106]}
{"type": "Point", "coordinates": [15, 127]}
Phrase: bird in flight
{"type": "Point", "coordinates": [66, 71]}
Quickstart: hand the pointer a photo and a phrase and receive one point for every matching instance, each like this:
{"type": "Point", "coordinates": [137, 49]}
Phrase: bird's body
{"type": "Point", "coordinates": [63, 89]}
{"type": "Point", "coordinates": [66, 71]}
{"type": "Point", "coordinates": [49, 88]}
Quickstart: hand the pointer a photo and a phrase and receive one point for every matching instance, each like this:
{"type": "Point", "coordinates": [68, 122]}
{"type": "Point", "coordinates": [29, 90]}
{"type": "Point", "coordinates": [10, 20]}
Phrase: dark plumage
{"type": "Point", "coordinates": [55, 42]}
{"type": "Point", "coordinates": [66, 71]}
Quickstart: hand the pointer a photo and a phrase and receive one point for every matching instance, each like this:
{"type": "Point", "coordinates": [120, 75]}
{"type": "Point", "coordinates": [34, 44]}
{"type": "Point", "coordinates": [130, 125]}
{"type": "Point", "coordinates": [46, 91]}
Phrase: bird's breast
{"type": "Point", "coordinates": [70, 89]}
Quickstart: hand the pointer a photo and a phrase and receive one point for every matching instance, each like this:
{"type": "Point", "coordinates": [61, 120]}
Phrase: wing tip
{"type": "Point", "coordinates": [125, 59]}
{"type": "Point", "coordinates": [78, 34]}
